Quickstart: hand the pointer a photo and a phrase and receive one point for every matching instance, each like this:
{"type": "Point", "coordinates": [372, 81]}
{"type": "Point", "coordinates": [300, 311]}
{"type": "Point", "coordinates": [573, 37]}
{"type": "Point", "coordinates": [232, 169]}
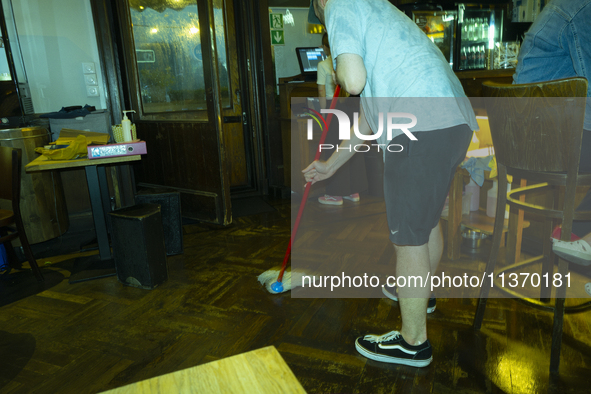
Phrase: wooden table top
{"type": "Point", "coordinates": [259, 371]}
{"type": "Point", "coordinates": [42, 163]}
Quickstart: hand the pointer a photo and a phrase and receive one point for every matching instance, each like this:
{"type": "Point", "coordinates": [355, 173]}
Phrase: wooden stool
{"type": "Point", "coordinates": [537, 132]}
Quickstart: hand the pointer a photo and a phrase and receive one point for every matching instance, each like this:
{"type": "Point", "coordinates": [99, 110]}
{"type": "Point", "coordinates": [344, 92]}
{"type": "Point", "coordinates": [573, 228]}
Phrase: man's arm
{"type": "Point", "coordinates": [321, 170]}
{"type": "Point", "coordinates": [351, 73]}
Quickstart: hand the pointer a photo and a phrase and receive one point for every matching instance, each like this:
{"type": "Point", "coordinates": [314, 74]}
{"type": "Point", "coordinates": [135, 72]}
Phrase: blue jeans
{"type": "Point", "coordinates": [558, 45]}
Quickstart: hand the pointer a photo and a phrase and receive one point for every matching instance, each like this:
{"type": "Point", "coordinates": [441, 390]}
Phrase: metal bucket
{"type": "Point", "coordinates": [473, 239]}
{"type": "Point", "coordinates": [43, 206]}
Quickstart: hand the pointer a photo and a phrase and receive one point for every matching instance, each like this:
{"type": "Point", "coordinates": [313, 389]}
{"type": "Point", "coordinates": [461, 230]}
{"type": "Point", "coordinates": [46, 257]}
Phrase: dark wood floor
{"type": "Point", "coordinates": [97, 335]}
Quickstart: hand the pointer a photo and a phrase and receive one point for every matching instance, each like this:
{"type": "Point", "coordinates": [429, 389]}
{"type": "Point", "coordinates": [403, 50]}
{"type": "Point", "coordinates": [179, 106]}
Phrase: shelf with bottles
{"type": "Point", "coordinates": [476, 30]}
{"type": "Point", "coordinates": [474, 56]}
{"type": "Point", "coordinates": [476, 35]}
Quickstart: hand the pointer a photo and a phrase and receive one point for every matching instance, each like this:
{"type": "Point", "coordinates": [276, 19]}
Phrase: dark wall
{"type": "Point", "coordinates": [9, 102]}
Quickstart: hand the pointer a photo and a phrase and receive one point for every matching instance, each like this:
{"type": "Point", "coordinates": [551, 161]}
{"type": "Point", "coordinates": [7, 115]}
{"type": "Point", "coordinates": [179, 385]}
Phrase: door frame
{"type": "Point", "coordinates": [251, 19]}
{"type": "Point", "coordinates": [257, 80]}
{"type": "Point", "coordinates": [119, 89]}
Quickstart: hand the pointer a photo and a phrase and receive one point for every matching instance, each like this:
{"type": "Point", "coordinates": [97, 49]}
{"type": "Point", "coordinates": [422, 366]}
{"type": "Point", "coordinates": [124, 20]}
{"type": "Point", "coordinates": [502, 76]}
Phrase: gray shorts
{"type": "Point", "coordinates": [417, 181]}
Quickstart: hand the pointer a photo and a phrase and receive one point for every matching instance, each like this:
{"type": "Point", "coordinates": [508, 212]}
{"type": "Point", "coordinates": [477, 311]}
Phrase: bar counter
{"type": "Point", "coordinates": [472, 80]}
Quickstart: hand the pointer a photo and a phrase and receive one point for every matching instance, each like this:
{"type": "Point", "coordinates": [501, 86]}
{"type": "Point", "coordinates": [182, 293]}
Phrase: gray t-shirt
{"type": "Point", "coordinates": [401, 62]}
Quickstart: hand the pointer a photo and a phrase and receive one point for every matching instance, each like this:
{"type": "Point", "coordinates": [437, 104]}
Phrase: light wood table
{"type": "Point", "coordinates": [100, 266]}
{"type": "Point", "coordinates": [258, 371]}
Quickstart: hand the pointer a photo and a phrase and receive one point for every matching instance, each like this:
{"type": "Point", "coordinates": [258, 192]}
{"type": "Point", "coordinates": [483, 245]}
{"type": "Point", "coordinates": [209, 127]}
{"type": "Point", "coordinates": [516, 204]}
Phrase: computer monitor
{"type": "Point", "coordinates": [308, 59]}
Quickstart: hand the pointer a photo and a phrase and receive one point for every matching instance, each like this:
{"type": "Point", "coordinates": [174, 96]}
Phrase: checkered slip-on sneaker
{"type": "Point", "coordinates": [392, 348]}
{"type": "Point", "coordinates": [391, 293]}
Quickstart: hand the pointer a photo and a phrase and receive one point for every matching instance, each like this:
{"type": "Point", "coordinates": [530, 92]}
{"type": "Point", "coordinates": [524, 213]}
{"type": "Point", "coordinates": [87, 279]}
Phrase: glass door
{"type": "Point", "coordinates": [170, 67]}
{"type": "Point", "coordinates": [169, 56]}
{"type": "Point", "coordinates": [180, 84]}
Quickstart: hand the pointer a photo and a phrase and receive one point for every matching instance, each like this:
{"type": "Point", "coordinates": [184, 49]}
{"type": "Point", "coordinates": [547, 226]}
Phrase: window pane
{"type": "Point", "coordinates": [4, 69]}
{"type": "Point", "coordinates": [220, 34]}
{"type": "Point", "coordinates": [169, 60]}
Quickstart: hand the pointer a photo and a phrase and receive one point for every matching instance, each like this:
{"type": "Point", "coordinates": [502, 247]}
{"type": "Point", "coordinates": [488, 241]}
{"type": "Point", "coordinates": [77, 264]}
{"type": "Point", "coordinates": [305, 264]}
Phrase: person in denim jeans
{"type": "Point", "coordinates": [558, 45]}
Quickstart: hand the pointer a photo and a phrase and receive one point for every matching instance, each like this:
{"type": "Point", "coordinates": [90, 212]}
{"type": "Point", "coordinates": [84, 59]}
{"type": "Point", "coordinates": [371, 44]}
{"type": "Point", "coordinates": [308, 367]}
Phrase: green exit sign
{"type": "Point", "coordinates": [276, 21]}
{"type": "Point", "coordinates": [277, 37]}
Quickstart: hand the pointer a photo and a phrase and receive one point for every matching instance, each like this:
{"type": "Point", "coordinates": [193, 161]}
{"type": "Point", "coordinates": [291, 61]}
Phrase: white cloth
{"type": "Point", "coordinates": [325, 76]}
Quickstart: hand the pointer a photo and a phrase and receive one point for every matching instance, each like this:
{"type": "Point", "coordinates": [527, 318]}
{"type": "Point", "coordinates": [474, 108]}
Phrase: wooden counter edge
{"type": "Point", "coordinates": [482, 74]}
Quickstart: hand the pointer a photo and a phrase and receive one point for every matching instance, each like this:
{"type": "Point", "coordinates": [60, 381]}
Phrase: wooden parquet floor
{"type": "Point", "coordinates": [93, 336]}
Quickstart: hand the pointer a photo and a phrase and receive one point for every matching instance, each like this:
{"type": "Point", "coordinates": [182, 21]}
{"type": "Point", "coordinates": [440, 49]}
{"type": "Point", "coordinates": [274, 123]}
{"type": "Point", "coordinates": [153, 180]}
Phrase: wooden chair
{"type": "Point", "coordinates": [10, 189]}
{"type": "Point", "coordinates": [537, 131]}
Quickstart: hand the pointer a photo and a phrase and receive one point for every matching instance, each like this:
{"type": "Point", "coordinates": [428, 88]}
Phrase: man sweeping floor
{"type": "Point", "coordinates": [378, 52]}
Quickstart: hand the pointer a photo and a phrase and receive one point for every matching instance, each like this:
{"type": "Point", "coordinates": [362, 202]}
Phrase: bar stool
{"type": "Point", "coordinates": [537, 131]}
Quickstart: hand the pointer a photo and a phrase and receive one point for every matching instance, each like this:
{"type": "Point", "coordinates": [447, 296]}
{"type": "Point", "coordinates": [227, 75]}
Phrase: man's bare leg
{"type": "Point", "coordinates": [417, 261]}
{"type": "Point", "coordinates": [435, 248]}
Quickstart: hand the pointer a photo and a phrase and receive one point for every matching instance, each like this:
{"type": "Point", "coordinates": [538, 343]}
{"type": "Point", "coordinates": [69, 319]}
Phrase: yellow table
{"type": "Point", "coordinates": [90, 267]}
{"type": "Point", "coordinates": [43, 163]}
{"type": "Point", "coordinates": [258, 371]}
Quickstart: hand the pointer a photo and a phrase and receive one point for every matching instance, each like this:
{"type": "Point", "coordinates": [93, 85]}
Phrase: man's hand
{"type": "Point", "coordinates": [317, 171]}
{"type": "Point", "coordinates": [321, 170]}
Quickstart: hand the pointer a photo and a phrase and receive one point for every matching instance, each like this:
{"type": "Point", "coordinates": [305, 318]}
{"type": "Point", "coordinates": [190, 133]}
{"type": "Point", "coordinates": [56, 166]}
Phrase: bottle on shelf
{"type": "Point", "coordinates": [465, 32]}
{"type": "Point", "coordinates": [126, 127]}
{"type": "Point", "coordinates": [482, 56]}
{"type": "Point", "coordinates": [464, 59]}
{"type": "Point", "coordinates": [491, 23]}
{"type": "Point", "coordinates": [485, 26]}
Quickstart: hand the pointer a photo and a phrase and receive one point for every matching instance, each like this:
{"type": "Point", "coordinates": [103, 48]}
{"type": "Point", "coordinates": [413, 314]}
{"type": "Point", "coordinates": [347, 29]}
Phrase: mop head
{"type": "Point", "coordinates": [290, 280]}
{"type": "Point", "coordinates": [269, 277]}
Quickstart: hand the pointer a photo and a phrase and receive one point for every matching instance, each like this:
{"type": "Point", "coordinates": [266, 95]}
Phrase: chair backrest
{"type": "Point", "coordinates": [538, 126]}
{"type": "Point", "coordinates": [10, 171]}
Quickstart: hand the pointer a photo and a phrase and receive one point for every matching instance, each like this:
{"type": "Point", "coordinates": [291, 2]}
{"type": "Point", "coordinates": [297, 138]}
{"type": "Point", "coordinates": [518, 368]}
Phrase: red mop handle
{"type": "Point", "coordinates": [337, 91]}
